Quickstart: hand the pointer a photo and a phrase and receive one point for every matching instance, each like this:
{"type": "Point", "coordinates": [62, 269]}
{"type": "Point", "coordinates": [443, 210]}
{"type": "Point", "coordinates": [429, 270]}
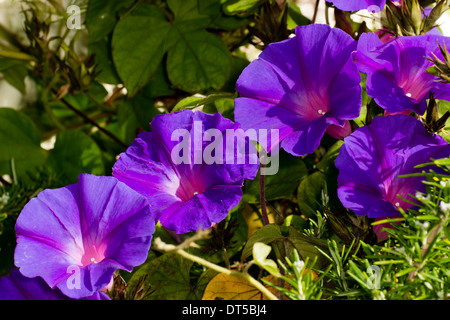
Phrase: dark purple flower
{"type": "Point", "coordinates": [373, 157]}
{"type": "Point", "coordinates": [397, 75]}
{"type": "Point", "coordinates": [187, 169]}
{"type": "Point", "coordinates": [301, 86]}
{"type": "Point", "coordinates": [18, 287]}
{"type": "Point", "coordinates": [355, 5]}
{"type": "Point", "coordinates": [77, 236]}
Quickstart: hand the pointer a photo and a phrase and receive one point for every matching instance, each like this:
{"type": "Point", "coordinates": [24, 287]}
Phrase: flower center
{"type": "Point", "coordinates": [188, 188]}
{"type": "Point", "coordinates": [417, 89]}
{"type": "Point", "coordinates": [91, 255]}
{"type": "Point", "coordinates": [312, 105]}
{"type": "Point", "coordinates": [416, 82]}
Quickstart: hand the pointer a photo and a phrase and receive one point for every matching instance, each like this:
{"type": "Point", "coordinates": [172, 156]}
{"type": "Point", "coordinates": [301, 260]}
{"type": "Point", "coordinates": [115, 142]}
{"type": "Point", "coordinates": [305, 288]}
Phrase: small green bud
{"type": "Point", "coordinates": [416, 16]}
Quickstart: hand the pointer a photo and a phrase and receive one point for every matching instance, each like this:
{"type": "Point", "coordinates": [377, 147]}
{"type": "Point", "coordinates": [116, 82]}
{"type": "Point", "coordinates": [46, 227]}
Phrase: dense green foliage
{"type": "Point", "coordinates": [98, 86]}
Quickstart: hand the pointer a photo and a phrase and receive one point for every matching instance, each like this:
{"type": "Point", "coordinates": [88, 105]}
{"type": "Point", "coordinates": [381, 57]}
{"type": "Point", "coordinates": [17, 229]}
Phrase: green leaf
{"type": "Point", "coordinates": [221, 101]}
{"type": "Point", "coordinates": [327, 162]}
{"type": "Point", "coordinates": [219, 20]}
{"type": "Point", "coordinates": [14, 72]}
{"type": "Point", "coordinates": [139, 43]}
{"type": "Point", "coordinates": [295, 221]}
{"type": "Point", "coordinates": [75, 153]}
{"type": "Point", "coordinates": [104, 60]}
{"type": "Point", "coordinates": [267, 234]}
{"type": "Point", "coordinates": [134, 116]}
{"type": "Point", "coordinates": [101, 16]}
{"type": "Point", "coordinates": [191, 102]}
{"type": "Point", "coordinates": [168, 278]}
{"type": "Point", "coordinates": [439, 162]}
{"type": "Point", "coordinates": [307, 246]}
{"type": "Point", "coordinates": [241, 6]}
{"type": "Point", "coordinates": [198, 61]}
{"type": "Point", "coordinates": [260, 253]}
{"type": "Point", "coordinates": [159, 85]}
{"type": "Point", "coordinates": [309, 193]}
{"type": "Point", "coordinates": [6, 63]}
{"type": "Point", "coordinates": [225, 107]}
{"type": "Point", "coordinates": [187, 15]}
{"type": "Point", "coordinates": [20, 140]}
{"type": "Point", "coordinates": [238, 64]}
{"type": "Point", "coordinates": [16, 55]}
{"type": "Point", "coordinates": [295, 16]}
{"type": "Point", "coordinates": [284, 183]}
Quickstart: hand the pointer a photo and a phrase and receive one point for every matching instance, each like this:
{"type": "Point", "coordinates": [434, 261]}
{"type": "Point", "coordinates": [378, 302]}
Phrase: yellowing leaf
{"type": "Point", "coordinates": [228, 287]}
{"type": "Point", "coordinates": [260, 253]}
{"type": "Point", "coordinates": [253, 219]}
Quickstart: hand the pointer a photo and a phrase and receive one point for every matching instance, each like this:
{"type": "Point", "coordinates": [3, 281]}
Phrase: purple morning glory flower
{"type": "Point", "coordinates": [397, 75]}
{"type": "Point", "coordinates": [355, 5]}
{"type": "Point", "coordinates": [75, 237]}
{"type": "Point", "coordinates": [181, 166]}
{"type": "Point", "coordinates": [18, 287]}
{"type": "Point", "coordinates": [373, 157]}
{"type": "Point", "coordinates": [301, 86]}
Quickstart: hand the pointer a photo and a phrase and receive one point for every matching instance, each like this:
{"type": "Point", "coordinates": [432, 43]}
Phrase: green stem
{"type": "Point", "coordinates": [316, 10]}
{"type": "Point", "coordinates": [48, 108]}
{"type": "Point", "coordinates": [327, 15]}
{"type": "Point", "coordinates": [89, 120]}
{"type": "Point", "coordinates": [242, 275]}
{"type": "Point", "coordinates": [94, 116]}
{"type": "Point", "coordinates": [13, 172]}
{"type": "Point", "coordinates": [262, 197]}
{"type": "Point", "coordinates": [97, 103]}
{"type": "Point", "coordinates": [225, 258]}
{"type": "Point", "coordinates": [258, 285]}
{"type": "Point", "coordinates": [131, 9]}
